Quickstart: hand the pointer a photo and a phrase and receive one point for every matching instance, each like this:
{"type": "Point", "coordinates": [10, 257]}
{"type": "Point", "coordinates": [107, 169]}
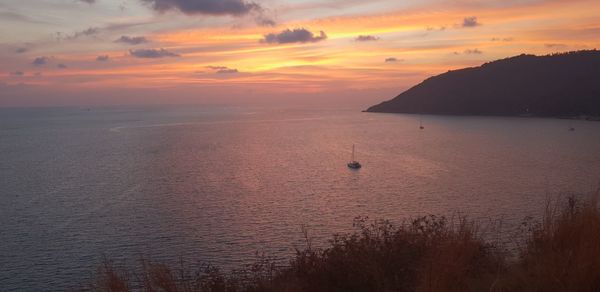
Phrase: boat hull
{"type": "Point", "coordinates": [354, 165]}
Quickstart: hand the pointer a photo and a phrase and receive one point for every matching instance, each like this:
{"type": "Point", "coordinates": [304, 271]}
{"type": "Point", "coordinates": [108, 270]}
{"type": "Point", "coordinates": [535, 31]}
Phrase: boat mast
{"type": "Point", "coordinates": [352, 152]}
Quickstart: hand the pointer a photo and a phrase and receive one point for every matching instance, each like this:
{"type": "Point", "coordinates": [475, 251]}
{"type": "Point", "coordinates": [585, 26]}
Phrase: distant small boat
{"type": "Point", "coordinates": [571, 128]}
{"type": "Point", "coordinates": [353, 163]}
{"type": "Point", "coordinates": [421, 123]}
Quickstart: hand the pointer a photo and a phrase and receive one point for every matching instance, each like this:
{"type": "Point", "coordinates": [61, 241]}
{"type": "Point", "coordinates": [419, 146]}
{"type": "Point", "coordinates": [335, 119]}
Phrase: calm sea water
{"type": "Point", "coordinates": [219, 184]}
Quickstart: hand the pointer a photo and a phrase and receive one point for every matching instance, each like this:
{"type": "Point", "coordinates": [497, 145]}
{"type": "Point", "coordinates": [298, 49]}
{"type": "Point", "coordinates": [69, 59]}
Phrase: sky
{"type": "Point", "coordinates": [340, 52]}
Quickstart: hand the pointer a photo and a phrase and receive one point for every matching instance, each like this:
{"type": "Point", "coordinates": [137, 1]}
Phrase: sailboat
{"type": "Point", "coordinates": [421, 123]}
{"type": "Point", "coordinates": [353, 163]}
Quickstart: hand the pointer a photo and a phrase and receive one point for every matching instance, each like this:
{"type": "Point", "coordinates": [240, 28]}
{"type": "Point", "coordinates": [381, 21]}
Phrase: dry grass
{"type": "Point", "coordinates": [110, 279]}
{"type": "Point", "coordinates": [562, 253]}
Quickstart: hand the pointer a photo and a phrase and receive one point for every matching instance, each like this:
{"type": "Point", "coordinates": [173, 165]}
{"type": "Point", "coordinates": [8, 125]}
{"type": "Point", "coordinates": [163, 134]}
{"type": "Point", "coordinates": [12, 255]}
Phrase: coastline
{"type": "Point", "coordinates": [562, 117]}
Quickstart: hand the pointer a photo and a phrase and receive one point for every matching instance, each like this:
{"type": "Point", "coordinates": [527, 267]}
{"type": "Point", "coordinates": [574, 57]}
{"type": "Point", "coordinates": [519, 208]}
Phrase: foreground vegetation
{"type": "Point", "coordinates": [559, 253]}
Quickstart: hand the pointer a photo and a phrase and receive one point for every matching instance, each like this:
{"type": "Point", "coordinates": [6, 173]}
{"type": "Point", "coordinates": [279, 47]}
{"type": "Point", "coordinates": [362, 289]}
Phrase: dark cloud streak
{"type": "Point", "coordinates": [473, 52]}
{"type": "Point", "coordinates": [152, 53]}
{"type": "Point", "coordinates": [223, 69]}
{"type": "Point", "coordinates": [40, 61]}
{"type": "Point", "coordinates": [87, 32]}
{"type": "Point", "coordinates": [392, 60]}
{"type": "Point", "coordinates": [265, 21]}
{"type": "Point", "coordinates": [470, 22]}
{"type": "Point", "coordinates": [298, 35]}
{"type": "Point", "coordinates": [227, 71]}
{"type": "Point", "coordinates": [366, 38]}
{"type": "Point", "coordinates": [132, 40]}
{"type": "Point", "coordinates": [209, 7]}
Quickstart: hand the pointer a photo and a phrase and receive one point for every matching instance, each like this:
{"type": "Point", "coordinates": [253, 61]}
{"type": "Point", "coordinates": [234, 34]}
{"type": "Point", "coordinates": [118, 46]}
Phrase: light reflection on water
{"type": "Point", "coordinates": [220, 184]}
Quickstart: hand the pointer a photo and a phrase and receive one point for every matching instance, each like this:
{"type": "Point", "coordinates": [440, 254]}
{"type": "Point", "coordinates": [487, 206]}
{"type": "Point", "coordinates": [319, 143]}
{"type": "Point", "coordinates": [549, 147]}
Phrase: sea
{"type": "Point", "coordinates": [227, 185]}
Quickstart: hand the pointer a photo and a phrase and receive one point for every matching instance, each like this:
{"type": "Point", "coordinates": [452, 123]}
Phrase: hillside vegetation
{"type": "Point", "coordinates": [565, 84]}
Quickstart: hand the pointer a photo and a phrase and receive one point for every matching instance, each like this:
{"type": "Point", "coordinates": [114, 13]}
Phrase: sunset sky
{"type": "Point", "coordinates": [97, 52]}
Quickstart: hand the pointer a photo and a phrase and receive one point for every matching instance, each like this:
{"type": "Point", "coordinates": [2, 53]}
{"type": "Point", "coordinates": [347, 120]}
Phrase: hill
{"type": "Point", "coordinates": [566, 84]}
